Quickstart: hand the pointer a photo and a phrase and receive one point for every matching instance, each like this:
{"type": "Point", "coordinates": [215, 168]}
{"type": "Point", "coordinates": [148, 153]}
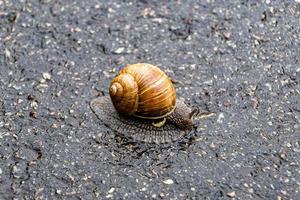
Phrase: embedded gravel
{"type": "Point", "coordinates": [238, 61]}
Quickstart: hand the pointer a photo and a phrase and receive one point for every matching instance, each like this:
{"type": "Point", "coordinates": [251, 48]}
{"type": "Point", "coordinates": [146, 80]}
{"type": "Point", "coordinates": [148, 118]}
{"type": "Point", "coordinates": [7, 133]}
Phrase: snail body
{"type": "Point", "coordinates": [142, 96]}
{"type": "Point", "coordinates": [177, 124]}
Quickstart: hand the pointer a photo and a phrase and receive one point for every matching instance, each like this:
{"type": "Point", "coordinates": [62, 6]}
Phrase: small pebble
{"type": "Point", "coordinates": [7, 53]}
{"type": "Point", "coordinates": [161, 194]}
{"type": "Point", "coordinates": [158, 20]}
{"type": "Point", "coordinates": [119, 50]}
{"type": "Point", "coordinates": [226, 35]}
{"type": "Point", "coordinates": [168, 181]}
{"type": "Point", "coordinates": [77, 29]}
{"type": "Point", "coordinates": [111, 190]}
{"type": "Point", "coordinates": [46, 76]}
{"type": "Point", "coordinates": [231, 194]}
{"type": "Point", "coordinates": [220, 118]}
{"type": "Point", "coordinates": [42, 80]}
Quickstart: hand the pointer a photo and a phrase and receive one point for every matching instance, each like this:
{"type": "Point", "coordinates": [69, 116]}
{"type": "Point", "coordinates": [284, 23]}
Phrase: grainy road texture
{"type": "Point", "coordinates": [237, 60]}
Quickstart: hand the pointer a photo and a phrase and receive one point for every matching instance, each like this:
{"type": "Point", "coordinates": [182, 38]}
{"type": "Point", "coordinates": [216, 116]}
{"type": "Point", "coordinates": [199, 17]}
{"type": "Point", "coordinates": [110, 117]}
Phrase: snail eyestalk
{"type": "Point", "coordinates": [194, 112]}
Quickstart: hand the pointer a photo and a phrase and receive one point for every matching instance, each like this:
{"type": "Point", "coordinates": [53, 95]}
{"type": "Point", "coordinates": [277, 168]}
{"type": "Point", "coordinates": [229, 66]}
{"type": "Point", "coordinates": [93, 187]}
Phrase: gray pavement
{"type": "Point", "coordinates": [237, 60]}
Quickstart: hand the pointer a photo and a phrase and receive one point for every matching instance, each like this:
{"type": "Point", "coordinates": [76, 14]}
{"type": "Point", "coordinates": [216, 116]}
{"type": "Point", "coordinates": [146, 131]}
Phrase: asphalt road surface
{"type": "Point", "coordinates": [238, 61]}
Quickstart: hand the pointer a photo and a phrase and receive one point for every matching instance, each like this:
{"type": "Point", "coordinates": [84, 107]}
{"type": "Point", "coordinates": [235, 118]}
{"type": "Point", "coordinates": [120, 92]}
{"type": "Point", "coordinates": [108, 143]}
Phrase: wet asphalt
{"type": "Point", "coordinates": [238, 61]}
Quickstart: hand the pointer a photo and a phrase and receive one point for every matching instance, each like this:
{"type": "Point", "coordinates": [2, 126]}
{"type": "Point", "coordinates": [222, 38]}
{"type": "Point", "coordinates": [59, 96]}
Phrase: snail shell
{"type": "Point", "coordinates": [140, 95]}
{"type": "Point", "coordinates": [143, 90]}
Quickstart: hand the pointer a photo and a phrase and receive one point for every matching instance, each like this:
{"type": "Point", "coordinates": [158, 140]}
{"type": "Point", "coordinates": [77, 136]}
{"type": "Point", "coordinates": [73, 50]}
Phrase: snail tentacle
{"type": "Point", "coordinates": [195, 112]}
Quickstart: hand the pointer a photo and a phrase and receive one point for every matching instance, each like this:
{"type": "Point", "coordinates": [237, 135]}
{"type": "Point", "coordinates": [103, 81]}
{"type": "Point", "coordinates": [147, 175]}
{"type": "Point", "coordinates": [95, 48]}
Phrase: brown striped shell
{"type": "Point", "coordinates": [144, 91]}
{"type": "Point", "coordinates": [147, 107]}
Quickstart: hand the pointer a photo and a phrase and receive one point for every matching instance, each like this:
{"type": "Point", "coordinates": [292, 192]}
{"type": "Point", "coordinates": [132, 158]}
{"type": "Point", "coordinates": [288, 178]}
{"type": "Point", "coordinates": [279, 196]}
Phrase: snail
{"type": "Point", "coordinates": [143, 105]}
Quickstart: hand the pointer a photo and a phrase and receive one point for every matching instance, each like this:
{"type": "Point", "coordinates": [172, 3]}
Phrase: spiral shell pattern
{"type": "Point", "coordinates": [143, 90]}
